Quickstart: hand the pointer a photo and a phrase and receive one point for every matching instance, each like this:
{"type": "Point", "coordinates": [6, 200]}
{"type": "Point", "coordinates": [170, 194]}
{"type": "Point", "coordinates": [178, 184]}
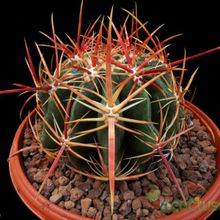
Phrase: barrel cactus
{"type": "Point", "coordinates": [112, 108]}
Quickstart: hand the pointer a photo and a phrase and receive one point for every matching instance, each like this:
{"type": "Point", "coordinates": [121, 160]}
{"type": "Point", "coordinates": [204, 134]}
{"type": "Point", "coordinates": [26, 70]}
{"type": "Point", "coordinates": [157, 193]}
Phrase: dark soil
{"type": "Point", "coordinates": [148, 198]}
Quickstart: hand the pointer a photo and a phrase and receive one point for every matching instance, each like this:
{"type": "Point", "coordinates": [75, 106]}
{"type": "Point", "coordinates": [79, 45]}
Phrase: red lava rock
{"type": "Point", "coordinates": [56, 198]}
{"type": "Point", "coordinates": [107, 218]}
{"type": "Point", "coordinates": [85, 186]}
{"type": "Point", "coordinates": [115, 217]}
{"type": "Point", "coordinates": [55, 191]}
{"type": "Point", "coordinates": [139, 213]}
{"type": "Point", "coordinates": [145, 189]}
{"type": "Point", "coordinates": [75, 210]}
{"type": "Point", "coordinates": [193, 139]}
{"type": "Point", "coordinates": [166, 191]}
{"type": "Point", "coordinates": [91, 212]}
{"type": "Point", "coordinates": [196, 151]}
{"type": "Point", "coordinates": [161, 183]}
{"type": "Point", "coordinates": [125, 208]}
{"type": "Point", "coordinates": [136, 187]}
{"type": "Point", "coordinates": [161, 172]}
{"type": "Point", "coordinates": [202, 135]}
{"type": "Point", "coordinates": [96, 184]}
{"type": "Point", "coordinates": [117, 202]}
{"type": "Point", "coordinates": [204, 166]}
{"type": "Point", "coordinates": [40, 175]}
{"type": "Point", "coordinates": [196, 125]}
{"type": "Point", "coordinates": [204, 143]}
{"type": "Point", "coordinates": [62, 181]}
{"type": "Point", "coordinates": [107, 211]}
{"type": "Point", "coordinates": [175, 191]}
{"type": "Point", "coordinates": [76, 194]}
{"type": "Point", "coordinates": [145, 203]}
{"type": "Point", "coordinates": [44, 163]}
{"type": "Point", "coordinates": [35, 185]}
{"type": "Point", "coordinates": [48, 188]}
{"type": "Point", "coordinates": [145, 181]}
{"type": "Point", "coordinates": [153, 186]}
{"type": "Point", "coordinates": [152, 177]}
{"type": "Point", "coordinates": [31, 172]}
{"type": "Point", "coordinates": [131, 216]}
{"type": "Point", "coordinates": [193, 160]}
{"type": "Point", "coordinates": [192, 175]}
{"type": "Point", "coordinates": [193, 188]}
{"type": "Point", "coordinates": [128, 195]}
{"type": "Point", "coordinates": [167, 181]}
{"type": "Point", "coordinates": [78, 205]}
{"type": "Point", "coordinates": [157, 214]}
{"type": "Point", "coordinates": [181, 160]}
{"type": "Point", "coordinates": [167, 199]}
{"type": "Point", "coordinates": [156, 204]}
{"type": "Point", "coordinates": [61, 204]}
{"type": "Point", "coordinates": [182, 165]}
{"type": "Point", "coordinates": [210, 149]}
{"type": "Point", "coordinates": [123, 186]}
{"type": "Point", "coordinates": [58, 172]}
{"type": "Point", "coordinates": [185, 191]}
{"type": "Point", "coordinates": [35, 162]}
{"type": "Point", "coordinates": [104, 195]}
{"type": "Point", "coordinates": [95, 193]}
{"type": "Point", "coordinates": [204, 183]}
{"type": "Point", "coordinates": [77, 178]}
{"type": "Point", "coordinates": [136, 204]}
{"type": "Point", "coordinates": [98, 204]}
{"type": "Point", "coordinates": [121, 217]}
{"type": "Point", "coordinates": [145, 212]}
{"type": "Point", "coordinates": [211, 161]}
{"type": "Point", "coordinates": [65, 190]}
{"type": "Point", "coordinates": [85, 204]}
{"type": "Point", "coordinates": [208, 176]}
{"type": "Point", "coordinates": [69, 204]}
{"type": "Point", "coordinates": [98, 215]}
{"type": "Point", "coordinates": [185, 151]}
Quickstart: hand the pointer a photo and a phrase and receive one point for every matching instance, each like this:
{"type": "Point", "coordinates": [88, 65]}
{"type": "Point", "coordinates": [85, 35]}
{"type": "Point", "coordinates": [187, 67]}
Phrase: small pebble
{"type": "Point", "coordinates": [62, 181]}
{"type": "Point", "coordinates": [92, 212]}
{"type": "Point", "coordinates": [128, 195]}
{"type": "Point", "coordinates": [69, 204]}
{"type": "Point", "coordinates": [136, 204]}
{"type": "Point", "coordinates": [56, 198]}
{"type": "Point", "coordinates": [85, 204]}
{"type": "Point", "coordinates": [76, 194]}
{"type": "Point", "coordinates": [125, 208]}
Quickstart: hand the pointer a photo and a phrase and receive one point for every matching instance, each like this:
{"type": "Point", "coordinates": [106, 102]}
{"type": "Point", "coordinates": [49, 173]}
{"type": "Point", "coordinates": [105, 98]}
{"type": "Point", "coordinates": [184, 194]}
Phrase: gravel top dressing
{"type": "Point", "coordinates": [149, 197]}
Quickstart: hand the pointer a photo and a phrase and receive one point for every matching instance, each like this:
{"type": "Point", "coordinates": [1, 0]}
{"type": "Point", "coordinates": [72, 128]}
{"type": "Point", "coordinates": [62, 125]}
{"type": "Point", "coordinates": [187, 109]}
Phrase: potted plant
{"type": "Point", "coordinates": [109, 108]}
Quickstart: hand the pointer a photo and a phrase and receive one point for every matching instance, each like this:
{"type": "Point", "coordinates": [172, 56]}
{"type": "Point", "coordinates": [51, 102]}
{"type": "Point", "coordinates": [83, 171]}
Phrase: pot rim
{"type": "Point", "coordinates": [45, 209]}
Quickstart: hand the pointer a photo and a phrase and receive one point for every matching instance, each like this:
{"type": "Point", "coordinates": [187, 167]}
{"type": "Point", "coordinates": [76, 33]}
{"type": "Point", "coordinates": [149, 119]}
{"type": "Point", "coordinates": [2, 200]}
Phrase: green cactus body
{"type": "Point", "coordinates": [144, 107]}
{"type": "Point", "coordinates": [53, 110]}
{"type": "Point", "coordinates": [137, 144]}
{"type": "Point", "coordinates": [78, 111]}
{"type": "Point", "coordinates": [54, 114]}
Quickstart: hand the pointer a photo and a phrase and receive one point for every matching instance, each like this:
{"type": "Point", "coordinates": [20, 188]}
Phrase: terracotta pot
{"type": "Point", "coordinates": [44, 209]}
